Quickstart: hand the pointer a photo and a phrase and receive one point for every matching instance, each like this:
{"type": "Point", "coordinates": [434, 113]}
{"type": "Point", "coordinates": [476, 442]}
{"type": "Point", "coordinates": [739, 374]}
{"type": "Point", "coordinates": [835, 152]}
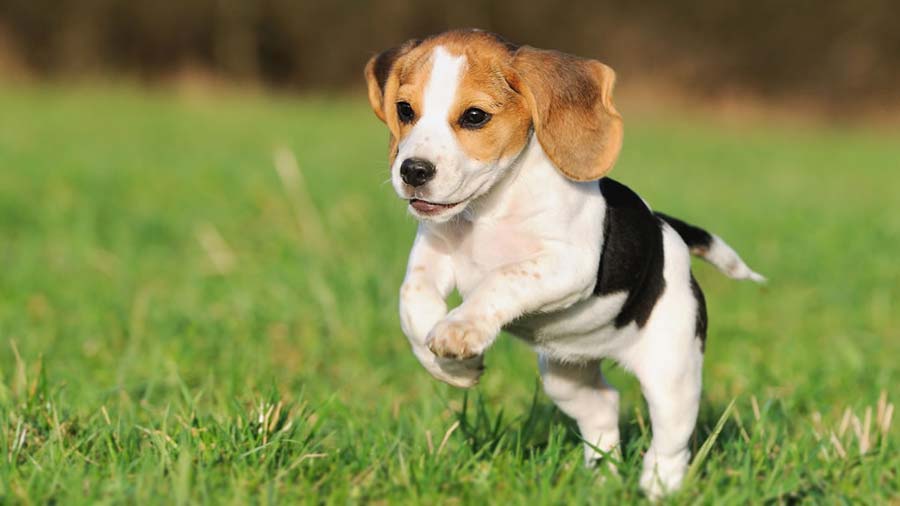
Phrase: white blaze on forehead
{"type": "Point", "coordinates": [432, 138]}
{"type": "Point", "coordinates": [443, 82]}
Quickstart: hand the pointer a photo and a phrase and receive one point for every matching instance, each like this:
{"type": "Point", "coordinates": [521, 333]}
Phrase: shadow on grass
{"type": "Point", "coordinates": [488, 431]}
{"type": "Point", "coordinates": [543, 428]}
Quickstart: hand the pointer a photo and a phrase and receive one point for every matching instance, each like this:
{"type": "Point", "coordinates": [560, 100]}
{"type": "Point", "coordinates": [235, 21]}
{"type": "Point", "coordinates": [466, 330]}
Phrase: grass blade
{"type": "Point", "coordinates": [708, 444]}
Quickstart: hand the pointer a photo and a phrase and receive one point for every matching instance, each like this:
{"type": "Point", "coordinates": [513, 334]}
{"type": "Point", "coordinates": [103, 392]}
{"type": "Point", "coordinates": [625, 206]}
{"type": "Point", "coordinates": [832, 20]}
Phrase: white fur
{"type": "Point", "coordinates": [523, 251]}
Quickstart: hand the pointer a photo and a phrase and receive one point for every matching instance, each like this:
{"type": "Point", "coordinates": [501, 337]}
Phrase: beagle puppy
{"type": "Point", "coordinates": [500, 152]}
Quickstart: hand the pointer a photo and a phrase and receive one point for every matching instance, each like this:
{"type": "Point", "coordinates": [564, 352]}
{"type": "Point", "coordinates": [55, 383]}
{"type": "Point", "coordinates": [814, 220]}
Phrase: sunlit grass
{"type": "Point", "coordinates": [198, 304]}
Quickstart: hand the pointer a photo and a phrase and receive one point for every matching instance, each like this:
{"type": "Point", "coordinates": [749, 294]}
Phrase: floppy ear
{"type": "Point", "coordinates": [572, 109]}
{"type": "Point", "coordinates": [377, 72]}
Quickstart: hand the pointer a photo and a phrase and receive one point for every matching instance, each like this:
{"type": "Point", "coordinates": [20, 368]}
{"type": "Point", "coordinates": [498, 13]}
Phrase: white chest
{"type": "Point", "coordinates": [488, 247]}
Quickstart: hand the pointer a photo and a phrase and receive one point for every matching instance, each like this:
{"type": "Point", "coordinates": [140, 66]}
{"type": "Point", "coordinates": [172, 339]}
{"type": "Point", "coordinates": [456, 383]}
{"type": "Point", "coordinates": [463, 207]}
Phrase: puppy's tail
{"type": "Point", "coordinates": [713, 249]}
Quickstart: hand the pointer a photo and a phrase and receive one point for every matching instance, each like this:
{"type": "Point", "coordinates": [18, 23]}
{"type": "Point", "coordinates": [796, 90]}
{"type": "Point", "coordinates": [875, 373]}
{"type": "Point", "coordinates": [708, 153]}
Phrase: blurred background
{"type": "Point", "coordinates": [842, 57]}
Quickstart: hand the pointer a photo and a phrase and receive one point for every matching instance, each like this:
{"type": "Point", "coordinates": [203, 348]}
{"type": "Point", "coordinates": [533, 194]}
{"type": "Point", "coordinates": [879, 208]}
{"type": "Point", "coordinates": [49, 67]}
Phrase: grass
{"type": "Point", "coordinates": [182, 322]}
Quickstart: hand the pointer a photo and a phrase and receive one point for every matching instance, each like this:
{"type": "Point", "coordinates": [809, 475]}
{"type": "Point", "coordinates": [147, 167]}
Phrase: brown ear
{"type": "Point", "coordinates": [378, 69]}
{"type": "Point", "coordinates": [572, 109]}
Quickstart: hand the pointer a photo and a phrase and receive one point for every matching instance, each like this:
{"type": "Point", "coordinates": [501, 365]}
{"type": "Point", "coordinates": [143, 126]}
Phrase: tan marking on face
{"type": "Point", "coordinates": [482, 84]}
{"type": "Point", "coordinates": [407, 85]}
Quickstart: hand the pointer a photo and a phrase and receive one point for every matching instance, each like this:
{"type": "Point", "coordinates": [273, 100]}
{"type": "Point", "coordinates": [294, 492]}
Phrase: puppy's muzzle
{"type": "Point", "coordinates": [416, 172]}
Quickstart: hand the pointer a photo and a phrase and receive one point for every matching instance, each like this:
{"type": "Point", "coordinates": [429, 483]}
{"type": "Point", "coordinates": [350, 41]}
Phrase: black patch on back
{"type": "Point", "coordinates": [695, 237]}
{"type": "Point", "coordinates": [632, 257]}
{"type": "Point", "coordinates": [702, 322]}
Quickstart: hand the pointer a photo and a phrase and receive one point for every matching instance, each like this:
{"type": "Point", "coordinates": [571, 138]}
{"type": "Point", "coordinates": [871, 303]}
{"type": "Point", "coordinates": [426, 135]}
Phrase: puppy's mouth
{"type": "Point", "coordinates": [426, 208]}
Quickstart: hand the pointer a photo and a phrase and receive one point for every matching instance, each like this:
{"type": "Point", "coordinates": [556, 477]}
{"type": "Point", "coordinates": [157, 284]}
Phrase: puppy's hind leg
{"type": "Point", "coordinates": [580, 392]}
{"type": "Point", "coordinates": [670, 378]}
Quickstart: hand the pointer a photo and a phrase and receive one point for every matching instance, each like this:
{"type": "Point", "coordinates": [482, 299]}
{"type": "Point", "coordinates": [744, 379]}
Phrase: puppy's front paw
{"type": "Point", "coordinates": [457, 339]}
{"type": "Point", "coordinates": [460, 373]}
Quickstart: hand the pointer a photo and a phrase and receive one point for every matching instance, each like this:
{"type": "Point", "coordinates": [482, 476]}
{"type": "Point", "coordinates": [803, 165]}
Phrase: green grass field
{"type": "Point", "coordinates": [181, 322]}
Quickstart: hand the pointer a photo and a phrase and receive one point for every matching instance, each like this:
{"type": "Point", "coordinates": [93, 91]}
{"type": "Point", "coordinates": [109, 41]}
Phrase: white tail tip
{"type": "Point", "coordinates": [757, 278]}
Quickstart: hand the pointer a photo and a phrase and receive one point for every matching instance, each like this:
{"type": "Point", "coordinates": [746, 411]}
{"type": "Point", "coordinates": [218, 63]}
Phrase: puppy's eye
{"type": "Point", "coordinates": [405, 112]}
{"type": "Point", "coordinates": [474, 118]}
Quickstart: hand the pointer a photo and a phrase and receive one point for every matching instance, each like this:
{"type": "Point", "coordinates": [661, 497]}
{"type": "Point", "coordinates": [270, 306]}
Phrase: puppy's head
{"type": "Point", "coordinates": [461, 106]}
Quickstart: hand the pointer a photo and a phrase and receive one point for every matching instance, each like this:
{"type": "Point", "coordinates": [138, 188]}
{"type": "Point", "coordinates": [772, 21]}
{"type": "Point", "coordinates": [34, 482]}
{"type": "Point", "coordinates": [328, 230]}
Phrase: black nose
{"type": "Point", "coordinates": [416, 172]}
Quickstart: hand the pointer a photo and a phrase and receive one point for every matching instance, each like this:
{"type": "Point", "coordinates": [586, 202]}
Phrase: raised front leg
{"type": "Point", "coordinates": [429, 279]}
{"type": "Point", "coordinates": [580, 392]}
{"type": "Point", "coordinates": [553, 281]}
